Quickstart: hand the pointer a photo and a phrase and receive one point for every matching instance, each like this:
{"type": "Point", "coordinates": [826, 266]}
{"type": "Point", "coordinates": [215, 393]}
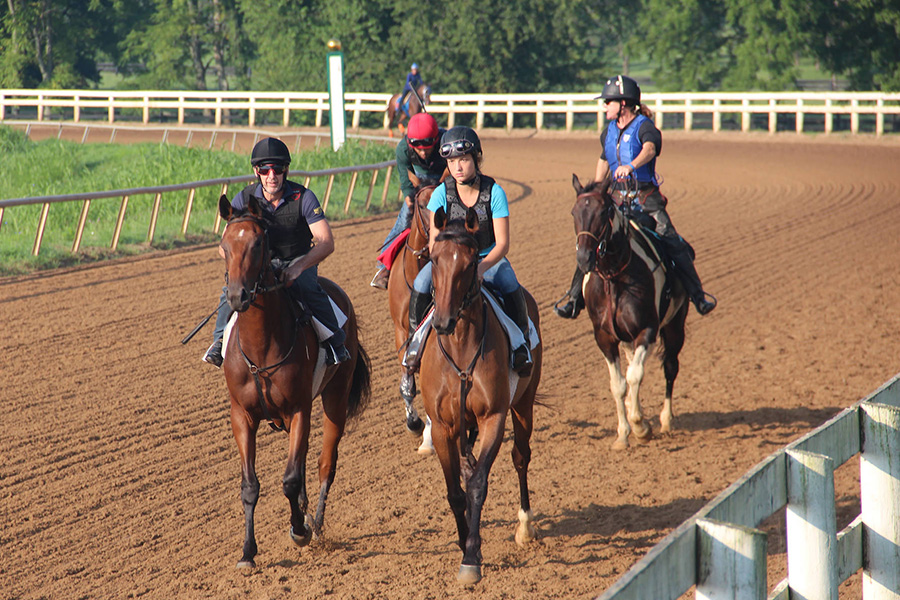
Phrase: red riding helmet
{"type": "Point", "coordinates": [422, 131]}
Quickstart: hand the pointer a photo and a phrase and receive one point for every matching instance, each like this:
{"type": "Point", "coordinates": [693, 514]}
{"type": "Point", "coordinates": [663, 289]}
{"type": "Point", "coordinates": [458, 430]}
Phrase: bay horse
{"type": "Point", "coordinates": [412, 257]}
{"type": "Point", "coordinates": [631, 299]}
{"type": "Point", "coordinates": [397, 117]}
{"type": "Point", "coordinates": [468, 385]}
{"type": "Point", "coordinates": [274, 370]}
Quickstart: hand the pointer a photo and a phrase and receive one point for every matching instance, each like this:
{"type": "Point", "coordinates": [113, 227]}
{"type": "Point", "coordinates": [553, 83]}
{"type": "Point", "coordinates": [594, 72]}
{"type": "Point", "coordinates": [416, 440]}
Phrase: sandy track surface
{"type": "Point", "coordinates": [119, 477]}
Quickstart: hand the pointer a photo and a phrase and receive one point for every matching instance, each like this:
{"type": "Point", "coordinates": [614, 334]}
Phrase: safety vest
{"type": "Point", "coordinates": [289, 236]}
{"type": "Point", "coordinates": [457, 210]}
{"type": "Point", "coordinates": [623, 146]}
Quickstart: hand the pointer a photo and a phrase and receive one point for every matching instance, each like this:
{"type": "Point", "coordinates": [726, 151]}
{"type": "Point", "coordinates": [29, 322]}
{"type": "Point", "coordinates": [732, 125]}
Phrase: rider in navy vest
{"type": "Point", "coordinates": [413, 81]}
{"type": "Point", "coordinates": [299, 238]}
{"type": "Point", "coordinates": [468, 188]}
{"type": "Point", "coordinates": [630, 144]}
{"type": "Point", "coordinates": [417, 155]}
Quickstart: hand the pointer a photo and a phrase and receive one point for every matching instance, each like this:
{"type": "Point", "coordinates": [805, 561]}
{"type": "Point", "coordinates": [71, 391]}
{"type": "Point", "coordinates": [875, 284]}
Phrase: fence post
{"type": "Point", "coordinates": [799, 116]}
{"type": "Point", "coordinates": [146, 110]}
{"type": "Point", "coordinates": [39, 236]}
{"type": "Point", "coordinates": [879, 116]}
{"type": "Point", "coordinates": [111, 111]}
{"type": "Point", "coordinates": [745, 115]}
{"type": "Point", "coordinates": [120, 220]}
{"type": "Point", "coordinates": [181, 110]}
{"type": "Point", "coordinates": [717, 115]}
{"type": "Point", "coordinates": [773, 116]}
{"type": "Point", "coordinates": [154, 214]}
{"type": "Point", "coordinates": [79, 231]}
{"type": "Point", "coordinates": [40, 107]}
{"type": "Point", "coordinates": [187, 211]}
{"type": "Point", "coordinates": [854, 116]}
{"type": "Point", "coordinates": [731, 561]}
{"type": "Point", "coordinates": [539, 115]}
{"type": "Point", "coordinates": [570, 116]}
{"type": "Point", "coordinates": [350, 191]}
{"type": "Point", "coordinates": [829, 116]}
{"type": "Point", "coordinates": [76, 110]}
{"type": "Point", "coordinates": [451, 114]}
{"type": "Point", "coordinates": [509, 115]}
{"type": "Point", "coordinates": [368, 195]}
{"type": "Point", "coordinates": [811, 526]}
{"type": "Point", "coordinates": [879, 478]}
{"type": "Point", "coordinates": [328, 192]}
{"type": "Point", "coordinates": [479, 116]}
{"type": "Point", "coordinates": [218, 220]}
{"type": "Point", "coordinates": [387, 184]}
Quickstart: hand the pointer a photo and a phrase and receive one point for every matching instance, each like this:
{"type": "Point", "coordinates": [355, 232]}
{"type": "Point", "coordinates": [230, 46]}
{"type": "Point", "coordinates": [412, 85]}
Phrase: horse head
{"type": "Point", "coordinates": [419, 233]}
{"type": "Point", "coordinates": [599, 227]}
{"type": "Point", "coordinates": [425, 93]}
{"type": "Point", "coordinates": [454, 259]}
{"type": "Point", "coordinates": [246, 250]}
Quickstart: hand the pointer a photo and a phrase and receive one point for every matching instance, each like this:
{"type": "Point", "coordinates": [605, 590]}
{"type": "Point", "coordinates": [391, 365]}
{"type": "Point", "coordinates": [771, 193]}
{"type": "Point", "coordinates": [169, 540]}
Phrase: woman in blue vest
{"type": "Point", "coordinates": [630, 144]}
{"type": "Point", "coordinates": [299, 239]}
{"type": "Point", "coordinates": [468, 188]}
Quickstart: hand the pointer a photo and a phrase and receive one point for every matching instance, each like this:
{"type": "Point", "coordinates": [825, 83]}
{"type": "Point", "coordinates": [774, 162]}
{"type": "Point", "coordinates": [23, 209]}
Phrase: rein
{"type": "Point", "coordinates": [465, 383]}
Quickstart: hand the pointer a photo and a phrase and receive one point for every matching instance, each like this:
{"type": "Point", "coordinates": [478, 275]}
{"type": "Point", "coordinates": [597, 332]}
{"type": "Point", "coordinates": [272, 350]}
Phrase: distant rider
{"type": "Point", "coordinates": [413, 82]}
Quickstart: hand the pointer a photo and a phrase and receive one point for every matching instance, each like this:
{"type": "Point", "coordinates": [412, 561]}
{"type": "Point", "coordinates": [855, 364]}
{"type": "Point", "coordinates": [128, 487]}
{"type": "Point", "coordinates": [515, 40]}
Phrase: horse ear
{"type": "Point", "coordinates": [471, 221]}
{"type": "Point", "coordinates": [440, 218]}
{"type": "Point", "coordinates": [225, 208]}
{"type": "Point", "coordinates": [577, 184]}
{"type": "Point", "coordinates": [253, 207]}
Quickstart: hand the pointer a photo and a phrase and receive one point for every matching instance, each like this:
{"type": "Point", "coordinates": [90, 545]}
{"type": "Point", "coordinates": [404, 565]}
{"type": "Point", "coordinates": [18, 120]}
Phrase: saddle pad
{"type": "Point", "coordinates": [390, 253]}
{"type": "Point", "coordinates": [322, 332]}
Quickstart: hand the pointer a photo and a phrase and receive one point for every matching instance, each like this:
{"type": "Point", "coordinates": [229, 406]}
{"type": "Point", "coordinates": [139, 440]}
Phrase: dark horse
{"type": "Point", "coordinates": [406, 266]}
{"type": "Point", "coordinates": [397, 117]}
{"type": "Point", "coordinates": [274, 369]}
{"type": "Point", "coordinates": [467, 383]}
{"type": "Point", "coordinates": [630, 299]}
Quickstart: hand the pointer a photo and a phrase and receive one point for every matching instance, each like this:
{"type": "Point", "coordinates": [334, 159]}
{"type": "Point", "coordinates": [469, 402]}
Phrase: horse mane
{"type": "Point", "coordinates": [599, 187]}
{"type": "Point", "coordinates": [455, 231]}
{"type": "Point", "coordinates": [265, 219]}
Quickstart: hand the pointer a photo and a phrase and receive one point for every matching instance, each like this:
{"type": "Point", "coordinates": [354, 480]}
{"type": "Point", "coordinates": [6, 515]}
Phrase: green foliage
{"type": "Point", "coordinates": [54, 167]}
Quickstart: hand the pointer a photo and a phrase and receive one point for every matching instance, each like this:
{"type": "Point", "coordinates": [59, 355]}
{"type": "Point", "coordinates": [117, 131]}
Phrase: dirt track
{"type": "Point", "coordinates": [119, 477]}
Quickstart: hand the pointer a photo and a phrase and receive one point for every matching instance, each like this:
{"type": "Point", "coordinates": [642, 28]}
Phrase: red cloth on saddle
{"type": "Point", "coordinates": [390, 253]}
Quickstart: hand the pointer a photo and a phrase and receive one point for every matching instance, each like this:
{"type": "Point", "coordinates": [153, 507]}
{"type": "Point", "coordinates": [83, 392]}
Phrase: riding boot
{"type": "Point", "coordinates": [575, 294]}
{"type": "Point", "coordinates": [213, 354]}
{"type": "Point", "coordinates": [518, 312]}
{"type": "Point", "coordinates": [418, 308]}
{"type": "Point", "coordinates": [680, 254]}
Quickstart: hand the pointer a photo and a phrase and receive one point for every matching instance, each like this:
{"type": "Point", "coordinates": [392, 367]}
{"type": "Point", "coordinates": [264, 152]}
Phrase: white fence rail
{"type": "Point", "coordinates": [720, 551]}
{"type": "Point", "coordinates": [799, 111]}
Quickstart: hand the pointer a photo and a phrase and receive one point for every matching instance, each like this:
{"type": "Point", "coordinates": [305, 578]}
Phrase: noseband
{"type": "Point", "coordinates": [603, 238]}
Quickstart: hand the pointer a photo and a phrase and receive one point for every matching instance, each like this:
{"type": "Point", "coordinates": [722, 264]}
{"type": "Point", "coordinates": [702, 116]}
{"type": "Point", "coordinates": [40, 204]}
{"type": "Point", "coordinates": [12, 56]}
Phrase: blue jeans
{"type": "Point", "coordinates": [305, 288]}
{"type": "Point", "coordinates": [404, 220]}
{"type": "Point", "coordinates": [500, 278]}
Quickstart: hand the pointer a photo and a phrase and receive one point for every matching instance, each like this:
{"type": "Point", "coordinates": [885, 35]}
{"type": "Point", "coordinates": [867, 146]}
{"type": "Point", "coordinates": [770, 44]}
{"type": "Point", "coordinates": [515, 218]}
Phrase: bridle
{"type": "Point", "coordinates": [265, 264]}
{"type": "Point", "coordinates": [603, 237]}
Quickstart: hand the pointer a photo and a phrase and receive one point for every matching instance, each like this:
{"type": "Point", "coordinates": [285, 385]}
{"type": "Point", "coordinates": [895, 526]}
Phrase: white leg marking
{"type": "Point", "coordinates": [633, 404]}
{"type": "Point", "coordinates": [618, 386]}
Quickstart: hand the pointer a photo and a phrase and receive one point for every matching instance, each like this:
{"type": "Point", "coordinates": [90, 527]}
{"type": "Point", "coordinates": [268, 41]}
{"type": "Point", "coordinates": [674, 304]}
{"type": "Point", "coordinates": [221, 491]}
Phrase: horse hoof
{"type": "Point", "coordinates": [619, 445]}
{"type": "Point", "coordinates": [246, 564]}
{"type": "Point", "coordinates": [302, 540]}
{"type": "Point", "coordinates": [525, 532]}
{"type": "Point", "coordinates": [469, 574]}
{"type": "Point", "coordinates": [415, 425]}
{"type": "Point", "coordinates": [644, 436]}
{"type": "Point", "coordinates": [426, 448]}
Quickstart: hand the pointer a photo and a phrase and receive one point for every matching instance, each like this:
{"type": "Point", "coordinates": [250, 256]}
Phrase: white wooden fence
{"type": "Point", "coordinates": [801, 111]}
{"type": "Point", "coordinates": [720, 551]}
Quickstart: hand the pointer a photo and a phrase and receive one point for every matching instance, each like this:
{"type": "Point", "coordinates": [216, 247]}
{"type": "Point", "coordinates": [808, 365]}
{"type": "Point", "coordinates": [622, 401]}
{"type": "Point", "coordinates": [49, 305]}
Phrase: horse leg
{"type": "Point", "coordinates": [426, 448]}
{"type": "Point", "coordinates": [672, 339]}
{"type": "Point", "coordinates": [294, 481]}
{"type": "Point", "coordinates": [448, 456]}
{"type": "Point", "coordinates": [634, 376]}
{"type": "Point", "coordinates": [491, 430]}
{"type": "Point", "coordinates": [617, 385]}
{"type": "Point", "coordinates": [522, 420]}
{"type": "Point", "coordinates": [334, 404]}
{"type": "Point", "coordinates": [244, 431]}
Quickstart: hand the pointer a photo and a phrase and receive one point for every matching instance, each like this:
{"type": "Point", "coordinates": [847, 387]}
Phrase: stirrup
{"type": "Point", "coordinates": [213, 354]}
{"type": "Point", "coordinates": [705, 303]}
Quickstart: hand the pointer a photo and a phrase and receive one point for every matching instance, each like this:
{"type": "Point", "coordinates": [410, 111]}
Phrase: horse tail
{"type": "Point", "coordinates": [361, 388]}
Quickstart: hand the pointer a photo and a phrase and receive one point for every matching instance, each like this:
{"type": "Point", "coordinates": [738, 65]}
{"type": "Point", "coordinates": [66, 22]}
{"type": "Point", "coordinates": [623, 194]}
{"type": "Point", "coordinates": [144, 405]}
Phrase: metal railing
{"type": "Point", "coordinates": [192, 188]}
{"type": "Point", "coordinates": [249, 107]}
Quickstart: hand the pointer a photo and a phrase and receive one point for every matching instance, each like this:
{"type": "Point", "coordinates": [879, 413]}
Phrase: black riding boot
{"type": "Point", "coordinates": [518, 312]}
{"type": "Point", "coordinates": [681, 255]}
{"type": "Point", "coordinates": [418, 308]}
{"type": "Point", "coordinates": [575, 294]}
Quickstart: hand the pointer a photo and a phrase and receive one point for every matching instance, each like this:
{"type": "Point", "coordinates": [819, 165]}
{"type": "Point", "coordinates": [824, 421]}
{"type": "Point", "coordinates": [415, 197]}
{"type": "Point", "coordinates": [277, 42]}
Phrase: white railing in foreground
{"type": "Point", "coordinates": [246, 107]}
{"type": "Point", "coordinates": [721, 552]}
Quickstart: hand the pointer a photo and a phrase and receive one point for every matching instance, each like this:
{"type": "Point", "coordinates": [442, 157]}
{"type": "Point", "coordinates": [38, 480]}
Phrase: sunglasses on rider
{"type": "Point", "coordinates": [423, 143]}
{"type": "Point", "coordinates": [265, 169]}
{"type": "Point", "coordinates": [461, 146]}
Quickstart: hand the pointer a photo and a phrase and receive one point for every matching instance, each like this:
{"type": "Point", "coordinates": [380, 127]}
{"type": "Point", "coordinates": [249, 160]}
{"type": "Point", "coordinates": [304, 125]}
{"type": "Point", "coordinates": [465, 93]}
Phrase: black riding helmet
{"type": "Point", "coordinates": [622, 87]}
{"type": "Point", "coordinates": [458, 141]}
{"type": "Point", "coordinates": [270, 151]}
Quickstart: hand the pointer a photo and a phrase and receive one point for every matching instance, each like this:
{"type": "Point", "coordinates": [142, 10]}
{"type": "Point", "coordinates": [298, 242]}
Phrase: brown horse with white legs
{"type": "Point", "coordinates": [468, 385]}
{"type": "Point", "coordinates": [274, 368]}
{"type": "Point", "coordinates": [406, 266]}
{"type": "Point", "coordinates": [396, 117]}
{"type": "Point", "coordinates": [631, 299]}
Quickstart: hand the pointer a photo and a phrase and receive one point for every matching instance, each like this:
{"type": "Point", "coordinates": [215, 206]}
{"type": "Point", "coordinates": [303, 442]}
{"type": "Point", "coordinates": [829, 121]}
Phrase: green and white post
{"type": "Point", "coordinates": [336, 114]}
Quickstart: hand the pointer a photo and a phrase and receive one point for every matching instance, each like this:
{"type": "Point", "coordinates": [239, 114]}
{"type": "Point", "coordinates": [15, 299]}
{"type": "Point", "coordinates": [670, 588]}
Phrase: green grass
{"type": "Point", "coordinates": [54, 167]}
